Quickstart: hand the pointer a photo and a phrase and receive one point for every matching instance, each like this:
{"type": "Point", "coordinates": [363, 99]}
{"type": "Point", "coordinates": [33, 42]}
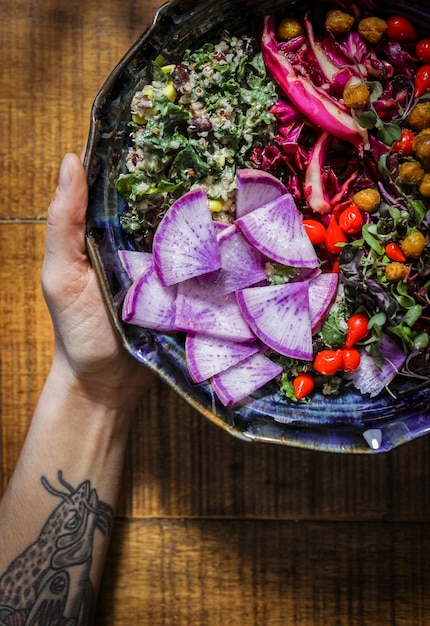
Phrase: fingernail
{"type": "Point", "coordinates": [65, 176]}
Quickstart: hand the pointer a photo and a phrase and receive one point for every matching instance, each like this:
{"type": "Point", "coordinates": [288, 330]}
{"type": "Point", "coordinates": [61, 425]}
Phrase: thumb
{"type": "Point", "coordinates": [65, 232]}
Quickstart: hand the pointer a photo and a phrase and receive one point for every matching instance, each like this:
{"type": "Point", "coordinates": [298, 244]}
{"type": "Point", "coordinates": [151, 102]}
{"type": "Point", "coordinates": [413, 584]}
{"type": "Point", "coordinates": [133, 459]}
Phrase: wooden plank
{"type": "Point", "coordinates": [215, 572]}
{"type": "Point", "coordinates": [25, 337]}
{"type": "Point", "coordinates": [54, 60]}
{"type": "Point", "coordinates": [179, 464]}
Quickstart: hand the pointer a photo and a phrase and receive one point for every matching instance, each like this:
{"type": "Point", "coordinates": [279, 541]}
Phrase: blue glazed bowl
{"type": "Point", "coordinates": [351, 423]}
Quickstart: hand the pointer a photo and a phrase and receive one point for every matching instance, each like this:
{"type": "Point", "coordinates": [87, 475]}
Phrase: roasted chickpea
{"type": "Point", "coordinates": [372, 29]}
{"type": "Point", "coordinates": [367, 200]}
{"type": "Point", "coordinates": [421, 147]}
{"type": "Point", "coordinates": [338, 22]}
{"type": "Point", "coordinates": [396, 271]}
{"type": "Point", "coordinates": [413, 244]}
{"type": "Point", "coordinates": [411, 173]}
{"type": "Point", "coordinates": [424, 187]}
{"type": "Point", "coordinates": [356, 95]}
{"type": "Point", "coordinates": [289, 28]}
{"type": "Point", "coordinates": [419, 117]}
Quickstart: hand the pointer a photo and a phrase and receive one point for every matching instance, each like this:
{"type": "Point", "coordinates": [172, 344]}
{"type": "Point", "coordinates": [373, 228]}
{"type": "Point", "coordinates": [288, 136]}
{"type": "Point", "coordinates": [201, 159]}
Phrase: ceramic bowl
{"type": "Point", "coordinates": [350, 423]}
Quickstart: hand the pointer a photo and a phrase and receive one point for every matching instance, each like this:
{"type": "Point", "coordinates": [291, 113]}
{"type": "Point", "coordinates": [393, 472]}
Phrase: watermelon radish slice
{"type": "Point", "coordinates": [185, 244]}
{"type": "Point", "coordinates": [207, 356]}
{"type": "Point", "coordinates": [370, 378]}
{"type": "Point", "coordinates": [322, 292]}
{"type": "Point", "coordinates": [241, 264]}
{"type": "Point", "coordinates": [276, 229]}
{"type": "Point", "coordinates": [150, 304]}
{"type": "Point", "coordinates": [254, 189]}
{"type": "Point", "coordinates": [279, 315]}
{"type": "Point", "coordinates": [135, 262]}
{"type": "Point", "coordinates": [247, 376]}
{"type": "Point", "coordinates": [199, 311]}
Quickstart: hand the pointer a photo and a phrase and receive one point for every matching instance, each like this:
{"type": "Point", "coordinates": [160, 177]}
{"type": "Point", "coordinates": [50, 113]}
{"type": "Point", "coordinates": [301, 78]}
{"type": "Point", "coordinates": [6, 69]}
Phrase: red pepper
{"type": "Point", "coordinates": [335, 267]}
{"type": "Point", "coordinates": [394, 252]}
{"type": "Point", "coordinates": [422, 50]}
{"type": "Point", "coordinates": [328, 362]}
{"type": "Point", "coordinates": [422, 81]}
{"type": "Point", "coordinates": [303, 385]}
{"type": "Point", "coordinates": [357, 329]}
{"type": "Point", "coordinates": [351, 220]}
{"type": "Point", "coordinates": [350, 359]}
{"type": "Point", "coordinates": [315, 231]}
{"type": "Point", "coordinates": [335, 235]}
{"type": "Point", "coordinates": [405, 145]}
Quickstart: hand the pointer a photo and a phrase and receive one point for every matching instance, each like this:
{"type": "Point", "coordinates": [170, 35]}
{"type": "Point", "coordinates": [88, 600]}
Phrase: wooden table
{"type": "Point", "coordinates": [210, 530]}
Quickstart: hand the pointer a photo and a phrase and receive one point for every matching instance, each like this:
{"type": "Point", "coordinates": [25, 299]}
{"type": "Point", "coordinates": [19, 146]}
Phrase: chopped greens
{"type": "Point", "coordinates": [194, 125]}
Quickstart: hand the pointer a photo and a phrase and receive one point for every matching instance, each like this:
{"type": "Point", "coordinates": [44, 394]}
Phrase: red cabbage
{"type": "Point", "coordinates": [313, 102]}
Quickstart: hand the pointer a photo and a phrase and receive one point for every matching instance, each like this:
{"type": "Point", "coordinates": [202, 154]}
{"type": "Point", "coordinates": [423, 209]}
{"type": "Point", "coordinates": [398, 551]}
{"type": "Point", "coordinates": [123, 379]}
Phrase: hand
{"type": "Point", "coordinates": [85, 338]}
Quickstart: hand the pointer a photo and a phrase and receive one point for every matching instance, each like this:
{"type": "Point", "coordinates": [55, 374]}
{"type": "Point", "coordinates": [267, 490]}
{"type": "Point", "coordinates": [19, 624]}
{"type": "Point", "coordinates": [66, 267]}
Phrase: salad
{"type": "Point", "coordinates": [278, 201]}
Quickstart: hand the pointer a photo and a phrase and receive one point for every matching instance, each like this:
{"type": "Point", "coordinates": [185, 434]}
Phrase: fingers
{"type": "Point", "coordinates": [65, 233]}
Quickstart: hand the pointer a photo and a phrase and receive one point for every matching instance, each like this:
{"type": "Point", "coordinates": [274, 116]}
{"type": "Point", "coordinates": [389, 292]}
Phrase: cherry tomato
{"type": "Point", "coordinates": [422, 81]}
{"type": "Point", "coordinates": [335, 235]}
{"type": "Point", "coordinates": [394, 252]}
{"type": "Point", "coordinates": [315, 230]}
{"type": "Point", "coordinates": [400, 29]}
{"type": "Point", "coordinates": [350, 359]}
{"type": "Point", "coordinates": [422, 50]}
{"type": "Point", "coordinates": [357, 329]}
{"type": "Point", "coordinates": [351, 220]}
{"type": "Point", "coordinates": [404, 147]}
{"type": "Point", "coordinates": [328, 362]}
{"type": "Point", "coordinates": [303, 385]}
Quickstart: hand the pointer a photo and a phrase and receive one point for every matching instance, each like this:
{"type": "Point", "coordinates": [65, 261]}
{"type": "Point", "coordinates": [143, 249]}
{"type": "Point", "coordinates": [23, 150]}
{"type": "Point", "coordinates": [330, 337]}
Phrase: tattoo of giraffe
{"type": "Point", "coordinates": [49, 583]}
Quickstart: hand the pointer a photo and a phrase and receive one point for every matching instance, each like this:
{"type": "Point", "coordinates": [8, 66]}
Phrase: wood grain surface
{"type": "Point", "coordinates": [210, 530]}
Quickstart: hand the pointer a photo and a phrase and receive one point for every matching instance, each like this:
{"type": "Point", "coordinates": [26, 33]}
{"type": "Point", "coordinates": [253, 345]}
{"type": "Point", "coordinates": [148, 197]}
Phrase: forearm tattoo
{"type": "Point", "coordinates": [49, 583]}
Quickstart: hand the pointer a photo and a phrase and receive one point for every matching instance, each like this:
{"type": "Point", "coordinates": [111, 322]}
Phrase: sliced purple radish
{"type": "Point", "coordinates": [199, 311]}
{"type": "Point", "coordinates": [219, 226]}
{"type": "Point", "coordinates": [185, 242]}
{"type": "Point", "coordinates": [276, 230]}
{"type": "Point", "coordinates": [239, 381]}
{"type": "Point", "coordinates": [135, 262]}
{"type": "Point", "coordinates": [242, 265]}
{"type": "Point", "coordinates": [279, 316]}
{"type": "Point", "coordinates": [207, 356]}
{"type": "Point", "coordinates": [322, 292]}
{"type": "Point", "coordinates": [150, 304]}
{"type": "Point", "coordinates": [371, 379]}
{"type": "Point", "coordinates": [254, 189]}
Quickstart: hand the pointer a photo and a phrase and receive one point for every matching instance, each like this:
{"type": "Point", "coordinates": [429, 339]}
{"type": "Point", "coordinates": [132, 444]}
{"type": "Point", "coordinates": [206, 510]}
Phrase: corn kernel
{"type": "Point", "coordinates": [138, 119]}
{"type": "Point", "coordinates": [215, 206]}
{"type": "Point", "coordinates": [168, 69]}
{"type": "Point", "coordinates": [170, 92]}
{"type": "Point", "coordinates": [220, 159]}
{"type": "Point", "coordinates": [148, 91]}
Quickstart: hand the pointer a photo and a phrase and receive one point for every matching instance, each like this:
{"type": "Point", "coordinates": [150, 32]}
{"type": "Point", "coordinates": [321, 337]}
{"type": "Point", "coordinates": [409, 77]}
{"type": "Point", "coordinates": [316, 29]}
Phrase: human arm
{"type": "Point", "coordinates": [56, 514]}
